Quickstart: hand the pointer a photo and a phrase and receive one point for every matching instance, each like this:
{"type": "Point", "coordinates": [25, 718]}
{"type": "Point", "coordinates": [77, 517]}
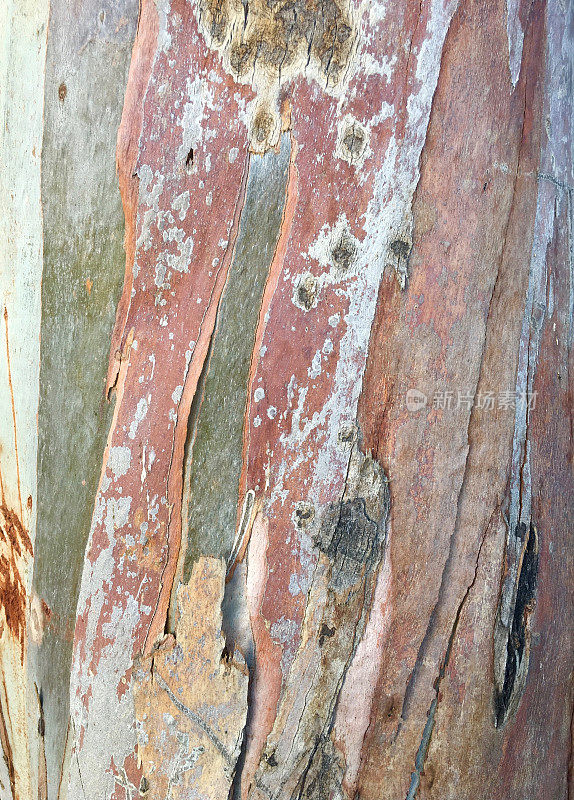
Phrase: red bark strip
{"type": "Point", "coordinates": [357, 167]}
{"type": "Point", "coordinates": [189, 169]}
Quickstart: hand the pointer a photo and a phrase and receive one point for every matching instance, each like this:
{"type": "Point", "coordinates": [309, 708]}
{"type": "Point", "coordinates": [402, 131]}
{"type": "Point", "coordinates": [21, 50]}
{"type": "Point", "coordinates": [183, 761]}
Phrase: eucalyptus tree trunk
{"type": "Point", "coordinates": [286, 400]}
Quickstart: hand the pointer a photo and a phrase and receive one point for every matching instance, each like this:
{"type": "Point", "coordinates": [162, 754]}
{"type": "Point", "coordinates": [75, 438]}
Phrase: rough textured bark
{"type": "Point", "coordinates": [289, 515]}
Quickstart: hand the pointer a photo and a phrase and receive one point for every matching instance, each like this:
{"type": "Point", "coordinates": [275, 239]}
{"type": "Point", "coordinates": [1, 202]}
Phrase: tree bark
{"type": "Point", "coordinates": [286, 502]}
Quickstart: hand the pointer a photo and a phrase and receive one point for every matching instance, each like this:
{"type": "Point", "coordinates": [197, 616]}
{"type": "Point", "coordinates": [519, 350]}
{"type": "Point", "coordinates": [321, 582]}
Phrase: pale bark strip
{"type": "Point", "coordinates": [23, 30]}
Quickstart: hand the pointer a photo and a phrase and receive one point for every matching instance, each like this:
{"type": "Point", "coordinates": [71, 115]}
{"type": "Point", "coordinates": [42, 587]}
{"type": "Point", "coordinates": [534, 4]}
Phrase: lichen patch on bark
{"type": "Point", "coordinates": [268, 42]}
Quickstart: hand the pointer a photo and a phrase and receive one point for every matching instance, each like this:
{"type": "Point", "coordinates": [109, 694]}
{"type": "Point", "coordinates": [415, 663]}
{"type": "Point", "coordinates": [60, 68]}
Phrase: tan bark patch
{"type": "Point", "coordinates": [191, 698]}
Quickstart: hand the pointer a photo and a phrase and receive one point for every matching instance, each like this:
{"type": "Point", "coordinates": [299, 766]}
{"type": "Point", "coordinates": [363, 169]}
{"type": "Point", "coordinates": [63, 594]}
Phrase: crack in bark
{"type": "Point", "coordinates": [431, 714]}
{"type": "Point", "coordinates": [196, 719]}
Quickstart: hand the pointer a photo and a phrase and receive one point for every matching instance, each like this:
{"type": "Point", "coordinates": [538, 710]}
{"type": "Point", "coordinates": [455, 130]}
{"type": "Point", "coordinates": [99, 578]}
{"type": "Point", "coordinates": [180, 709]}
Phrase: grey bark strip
{"type": "Point", "coordinates": [87, 61]}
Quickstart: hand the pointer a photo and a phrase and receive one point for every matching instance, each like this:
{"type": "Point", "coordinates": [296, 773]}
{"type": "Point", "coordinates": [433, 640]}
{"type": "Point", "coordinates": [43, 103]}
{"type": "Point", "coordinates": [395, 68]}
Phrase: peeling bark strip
{"type": "Point", "coordinates": [191, 698]}
{"type": "Point", "coordinates": [352, 219]}
{"type": "Point", "coordinates": [180, 266]}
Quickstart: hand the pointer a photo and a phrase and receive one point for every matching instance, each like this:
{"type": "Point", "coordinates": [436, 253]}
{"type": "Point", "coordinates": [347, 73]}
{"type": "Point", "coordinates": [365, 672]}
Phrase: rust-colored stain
{"type": "Point", "coordinates": [15, 544]}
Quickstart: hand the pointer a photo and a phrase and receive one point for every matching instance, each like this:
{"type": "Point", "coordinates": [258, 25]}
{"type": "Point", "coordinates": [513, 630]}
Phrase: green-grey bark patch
{"type": "Point", "coordinates": [86, 74]}
{"type": "Point", "coordinates": [216, 430]}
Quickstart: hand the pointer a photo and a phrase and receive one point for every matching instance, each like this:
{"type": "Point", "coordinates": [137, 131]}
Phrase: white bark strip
{"type": "Point", "coordinates": [23, 29]}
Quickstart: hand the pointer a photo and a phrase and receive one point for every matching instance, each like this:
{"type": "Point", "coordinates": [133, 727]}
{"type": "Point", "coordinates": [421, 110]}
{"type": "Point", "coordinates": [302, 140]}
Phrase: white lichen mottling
{"type": "Point", "coordinates": [119, 460]}
{"type": "Point", "coordinates": [377, 11]}
{"type": "Point", "coordinates": [199, 97]}
{"type": "Point", "coordinates": [140, 414]}
{"type": "Point", "coordinates": [150, 190]}
{"type": "Point", "coordinates": [164, 36]}
{"type": "Point", "coordinates": [181, 204]}
{"type": "Point", "coordinates": [387, 215]}
{"type": "Point", "coordinates": [315, 369]}
{"type": "Point", "coordinates": [285, 631]}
